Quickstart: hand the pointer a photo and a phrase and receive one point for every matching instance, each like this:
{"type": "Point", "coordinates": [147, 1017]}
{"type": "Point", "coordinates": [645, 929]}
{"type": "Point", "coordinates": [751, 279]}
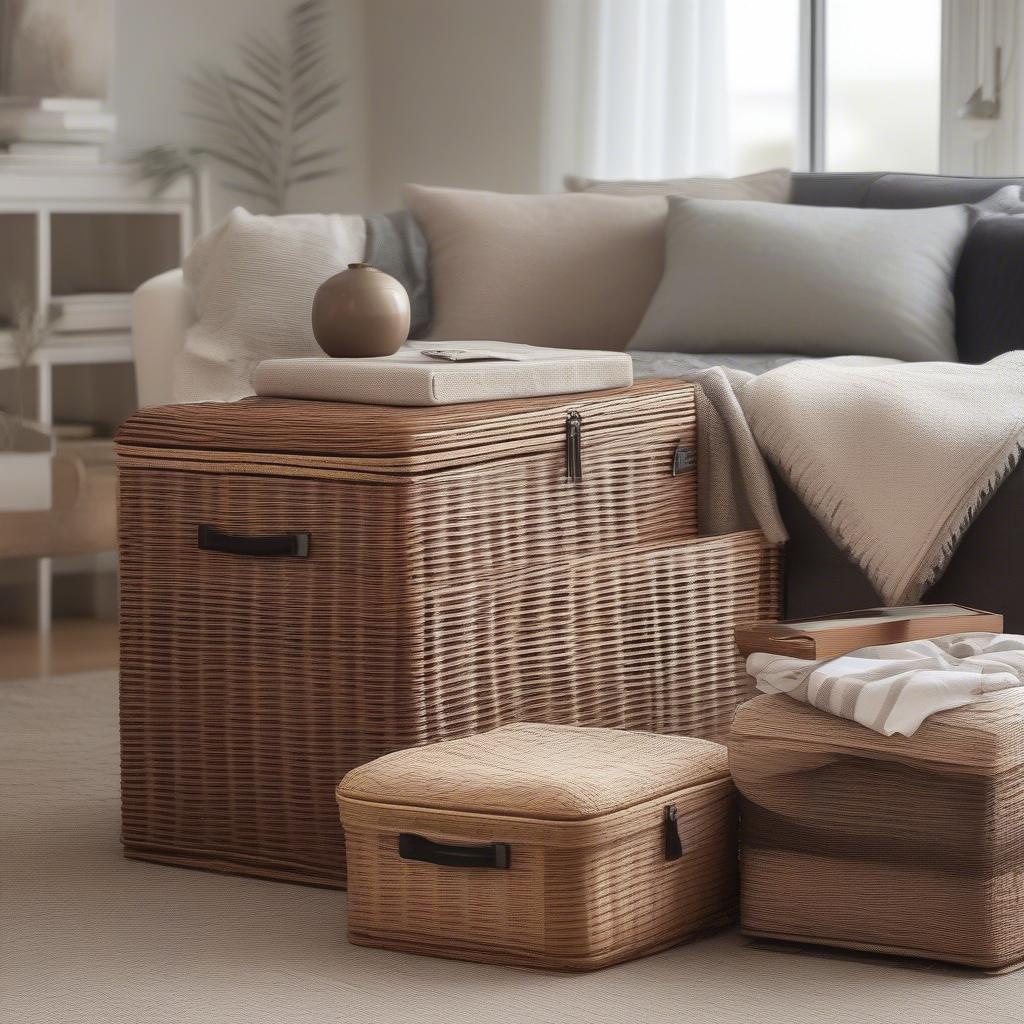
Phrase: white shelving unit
{"type": "Point", "coordinates": [76, 229]}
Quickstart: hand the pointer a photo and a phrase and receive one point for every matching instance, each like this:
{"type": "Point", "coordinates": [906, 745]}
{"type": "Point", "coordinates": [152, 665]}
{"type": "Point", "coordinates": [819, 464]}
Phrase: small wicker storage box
{"type": "Point", "coordinates": [912, 846]}
{"type": "Point", "coordinates": [541, 845]}
{"type": "Point", "coordinates": [308, 585]}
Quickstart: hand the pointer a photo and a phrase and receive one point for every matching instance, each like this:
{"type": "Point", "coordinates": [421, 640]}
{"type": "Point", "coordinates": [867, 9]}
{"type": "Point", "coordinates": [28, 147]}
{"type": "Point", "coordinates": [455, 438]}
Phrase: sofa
{"type": "Point", "coordinates": [819, 578]}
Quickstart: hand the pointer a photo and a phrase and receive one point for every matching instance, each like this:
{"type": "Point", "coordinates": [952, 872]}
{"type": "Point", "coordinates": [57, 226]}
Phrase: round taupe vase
{"type": "Point", "coordinates": [361, 312]}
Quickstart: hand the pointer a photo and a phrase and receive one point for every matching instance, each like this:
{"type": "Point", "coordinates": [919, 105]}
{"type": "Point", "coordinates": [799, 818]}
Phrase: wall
{"type": "Point", "coordinates": [159, 43]}
{"type": "Point", "coordinates": [438, 91]}
{"type": "Point", "coordinates": [455, 95]}
{"type": "Point", "coordinates": [982, 147]}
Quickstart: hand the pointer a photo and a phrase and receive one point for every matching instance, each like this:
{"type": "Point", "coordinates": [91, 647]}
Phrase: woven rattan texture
{"type": "Point", "coordinates": [903, 845]}
{"type": "Point", "coordinates": [456, 587]}
{"type": "Point", "coordinates": [578, 894]}
{"type": "Point", "coordinates": [381, 436]}
{"type": "Point", "coordinates": [539, 771]}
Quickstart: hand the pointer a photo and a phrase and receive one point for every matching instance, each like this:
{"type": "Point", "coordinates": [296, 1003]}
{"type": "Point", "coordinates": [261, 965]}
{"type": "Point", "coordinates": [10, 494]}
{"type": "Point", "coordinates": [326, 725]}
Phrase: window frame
{"type": "Point", "coordinates": [811, 90]}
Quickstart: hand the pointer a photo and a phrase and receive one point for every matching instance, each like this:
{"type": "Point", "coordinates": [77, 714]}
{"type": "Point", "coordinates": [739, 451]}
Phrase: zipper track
{"type": "Point", "coordinates": [573, 446]}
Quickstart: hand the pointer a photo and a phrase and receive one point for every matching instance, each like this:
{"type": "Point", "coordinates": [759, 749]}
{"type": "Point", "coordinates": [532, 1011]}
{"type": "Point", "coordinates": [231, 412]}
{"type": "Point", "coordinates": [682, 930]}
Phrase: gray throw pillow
{"type": "Point", "coordinates": [768, 277]}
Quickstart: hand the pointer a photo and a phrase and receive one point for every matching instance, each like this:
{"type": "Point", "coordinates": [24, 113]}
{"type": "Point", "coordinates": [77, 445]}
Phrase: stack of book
{"type": "Point", "coordinates": [57, 130]}
{"type": "Point", "coordinates": [94, 311]}
{"type": "Point", "coordinates": [834, 635]}
{"type": "Point", "coordinates": [445, 372]}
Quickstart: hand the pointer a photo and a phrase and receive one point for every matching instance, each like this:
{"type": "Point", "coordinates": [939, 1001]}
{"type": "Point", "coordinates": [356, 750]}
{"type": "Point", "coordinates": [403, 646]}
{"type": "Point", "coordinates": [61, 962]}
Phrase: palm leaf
{"type": "Point", "coordinates": [313, 114]}
{"type": "Point", "coordinates": [259, 119]}
{"type": "Point", "coordinates": [263, 54]}
{"type": "Point", "coordinates": [325, 172]}
{"type": "Point", "coordinates": [300, 159]}
{"type": "Point", "coordinates": [254, 91]}
{"type": "Point", "coordinates": [309, 98]}
{"type": "Point", "coordinates": [269, 195]}
{"type": "Point", "coordinates": [239, 163]}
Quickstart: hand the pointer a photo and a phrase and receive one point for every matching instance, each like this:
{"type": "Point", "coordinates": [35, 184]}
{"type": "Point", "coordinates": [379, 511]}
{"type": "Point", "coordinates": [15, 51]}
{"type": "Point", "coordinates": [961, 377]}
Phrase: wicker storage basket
{"type": "Point", "coordinates": [912, 846]}
{"type": "Point", "coordinates": [308, 585]}
{"type": "Point", "coordinates": [541, 845]}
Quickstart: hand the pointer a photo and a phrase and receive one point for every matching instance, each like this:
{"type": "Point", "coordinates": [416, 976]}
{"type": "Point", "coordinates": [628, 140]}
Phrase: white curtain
{"type": "Point", "coordinates": [653, 90]}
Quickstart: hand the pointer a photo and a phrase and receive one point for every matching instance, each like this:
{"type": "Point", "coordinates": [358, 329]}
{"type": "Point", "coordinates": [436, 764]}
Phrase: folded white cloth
{"type": "Point", "coordinates": [895, 687]}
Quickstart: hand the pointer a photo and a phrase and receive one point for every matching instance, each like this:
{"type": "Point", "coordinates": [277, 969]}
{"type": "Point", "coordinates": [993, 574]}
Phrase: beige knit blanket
{"type": "Point", "coordinates": [894, 460]}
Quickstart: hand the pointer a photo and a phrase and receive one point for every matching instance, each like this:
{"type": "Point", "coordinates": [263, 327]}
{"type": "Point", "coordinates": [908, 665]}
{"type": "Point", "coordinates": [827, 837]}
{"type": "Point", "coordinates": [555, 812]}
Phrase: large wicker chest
{"type": "Point", "coordinates": [306, 586]}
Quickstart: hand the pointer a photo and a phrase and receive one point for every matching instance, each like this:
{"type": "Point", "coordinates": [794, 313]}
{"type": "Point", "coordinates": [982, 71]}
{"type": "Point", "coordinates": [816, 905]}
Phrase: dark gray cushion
{"type": "Point", "coordinates": [396, 245]}
{"type": "Point", "coordinates": [989, 289]}
{"type": "Point", "coordinates": [903, 191]}
{"type": "Point", "coordinates": [890, 191]}
{"type": "Point", "coordinates": [685, 364]}
{"type": "Point", "coordinates": [832, 188]}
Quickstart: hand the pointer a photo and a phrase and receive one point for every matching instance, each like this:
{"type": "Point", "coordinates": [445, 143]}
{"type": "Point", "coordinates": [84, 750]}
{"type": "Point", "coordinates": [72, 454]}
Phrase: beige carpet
{"type": "Point", "coordinates": [90, 938]}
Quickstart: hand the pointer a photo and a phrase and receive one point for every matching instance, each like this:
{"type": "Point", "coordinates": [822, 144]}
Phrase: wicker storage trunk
{"type": "Point", "coordinates": [541, 845]}
{"type": "Point", "coordinates": [308, 585]}
{"type": "Point", "coordinates": [912, 846]}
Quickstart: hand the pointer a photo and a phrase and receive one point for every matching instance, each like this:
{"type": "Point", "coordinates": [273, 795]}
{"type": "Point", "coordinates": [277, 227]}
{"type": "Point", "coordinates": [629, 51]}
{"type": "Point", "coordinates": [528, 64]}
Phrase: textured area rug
{"type": "Point", "coordinates": [90, 938]}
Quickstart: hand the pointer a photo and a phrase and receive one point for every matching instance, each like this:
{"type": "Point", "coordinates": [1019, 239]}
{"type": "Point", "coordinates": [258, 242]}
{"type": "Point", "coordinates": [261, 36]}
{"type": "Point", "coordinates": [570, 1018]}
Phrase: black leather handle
{"type": "Point", "coordinates": [294, 545]}
{"type": "Point", "coordinates": [490, 855]}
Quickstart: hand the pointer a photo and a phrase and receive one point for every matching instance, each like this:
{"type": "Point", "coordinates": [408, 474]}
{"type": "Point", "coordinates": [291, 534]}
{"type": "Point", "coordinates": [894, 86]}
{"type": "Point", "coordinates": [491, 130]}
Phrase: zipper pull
{"type": "Point", "coordinates": [673, 844]}
{"type": "Point", "coordinates": [573, 446]}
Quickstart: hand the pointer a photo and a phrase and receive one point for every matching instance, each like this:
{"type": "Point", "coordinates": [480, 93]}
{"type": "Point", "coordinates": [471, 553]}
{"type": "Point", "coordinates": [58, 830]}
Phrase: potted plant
{"type": "Point", "coordinates": [26, 447]}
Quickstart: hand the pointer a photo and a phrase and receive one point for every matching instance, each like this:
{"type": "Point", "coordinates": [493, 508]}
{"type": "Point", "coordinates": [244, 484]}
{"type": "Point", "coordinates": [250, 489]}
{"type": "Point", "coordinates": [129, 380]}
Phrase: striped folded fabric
{"type": "Point", "coordinates": [895, 687]}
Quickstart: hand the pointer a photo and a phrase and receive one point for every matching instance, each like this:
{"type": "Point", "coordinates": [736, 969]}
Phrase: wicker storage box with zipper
{"type": "Point", "coordinates": [893, 844]}
{"type": "Point", "coordinates": [308, 585]}
{"type": "Point", "coordinates": [541, 845]}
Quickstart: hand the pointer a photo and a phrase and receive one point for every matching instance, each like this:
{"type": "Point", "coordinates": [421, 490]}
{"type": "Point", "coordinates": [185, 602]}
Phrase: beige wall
{"type": "Point", "coordinates": [438, 91]}
{"type": "Point", "coordinates": [159, 42]}
{"type": "Point", "coordinates": [454, 95]}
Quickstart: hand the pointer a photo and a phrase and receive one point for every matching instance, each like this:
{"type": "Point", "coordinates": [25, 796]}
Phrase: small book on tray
{"type": "Point", "coordinates": [833, 635]}
{"type": "Point", "coordinates": [444, 373]}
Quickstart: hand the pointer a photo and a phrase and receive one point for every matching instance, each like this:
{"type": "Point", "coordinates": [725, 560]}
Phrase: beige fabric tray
{"type": "Point", "coordinates": [583, 821]}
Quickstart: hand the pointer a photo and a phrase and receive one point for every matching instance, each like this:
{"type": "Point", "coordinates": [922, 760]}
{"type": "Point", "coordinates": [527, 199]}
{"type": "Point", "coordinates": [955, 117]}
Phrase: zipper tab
{"type": "Point", "coordinates": [573, 446]}
{"type": "Point", "coordinates": [683, 460]}
{"type": "Point", "coordinates": [673, 844]}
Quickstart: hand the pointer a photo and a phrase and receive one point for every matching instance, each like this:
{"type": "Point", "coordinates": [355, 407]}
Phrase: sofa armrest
{"type": "Point", "coordinates": [161, 313]}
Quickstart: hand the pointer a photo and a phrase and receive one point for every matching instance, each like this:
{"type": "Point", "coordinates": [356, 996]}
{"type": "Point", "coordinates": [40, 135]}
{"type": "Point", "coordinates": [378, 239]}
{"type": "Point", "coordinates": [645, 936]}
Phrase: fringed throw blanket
{"type": "Point", "coordinates": [894, 460]}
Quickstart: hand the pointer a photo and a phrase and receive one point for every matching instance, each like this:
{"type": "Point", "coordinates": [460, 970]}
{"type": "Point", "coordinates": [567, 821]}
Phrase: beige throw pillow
{"type": "Point", "coordinates": [252, 280]}
{"type": "Point", "coordinates": [567, 271]}
{"type": "Point", "coordinates": [765, 186]}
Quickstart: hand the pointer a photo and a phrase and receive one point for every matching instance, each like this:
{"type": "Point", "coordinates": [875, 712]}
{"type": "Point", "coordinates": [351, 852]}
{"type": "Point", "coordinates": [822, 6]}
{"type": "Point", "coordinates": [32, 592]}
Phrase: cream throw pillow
{"type": "Point", "coordinates": [566, 271]}
{"type": "Point", "coordinates": [252, 280]}
{"type": "Point", "coordinates": [811, 280]}
{"type": "Point", "coordinates": [765, 186]}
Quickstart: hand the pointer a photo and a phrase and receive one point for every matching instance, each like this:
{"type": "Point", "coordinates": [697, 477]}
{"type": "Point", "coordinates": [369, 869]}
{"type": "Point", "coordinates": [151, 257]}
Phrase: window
{"type": "Point", "coordinates": [762, 43]}
{"type": "Point", "coordinates": [678, 87]}
{"type": "Point", "coordinates": [882, 89]}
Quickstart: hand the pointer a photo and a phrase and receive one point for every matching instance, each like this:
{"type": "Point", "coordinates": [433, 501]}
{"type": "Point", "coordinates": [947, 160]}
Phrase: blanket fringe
{"type": "Point", "coordinates": [937, 564]}
{"type": "Point", "coordinates": [854, 540]}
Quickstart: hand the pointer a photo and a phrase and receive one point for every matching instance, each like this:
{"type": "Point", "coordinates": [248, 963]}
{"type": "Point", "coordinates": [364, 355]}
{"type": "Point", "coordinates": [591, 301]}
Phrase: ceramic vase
{"type": "Point", "coordinates": [361, 312]}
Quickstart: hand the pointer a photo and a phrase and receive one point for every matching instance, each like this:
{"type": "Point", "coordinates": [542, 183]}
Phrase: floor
{"type": "Point", "coordinates": [73, 645]}
{"type": "Point", "coordinates": [89, 937]}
